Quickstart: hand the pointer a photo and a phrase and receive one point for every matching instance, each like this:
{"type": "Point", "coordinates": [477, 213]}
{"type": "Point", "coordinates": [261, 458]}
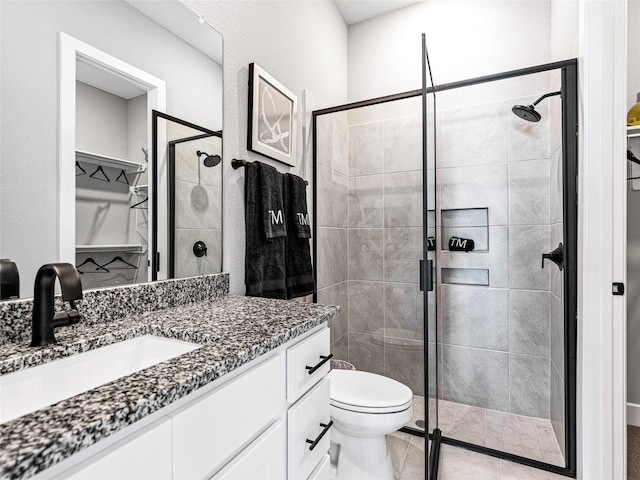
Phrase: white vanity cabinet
{"type": "Point", "coordinates": [308, 417]}
{"type": "Point", "coordinates": [208, 431]}
{"type": "Point", "coordinates": [264, 422]}
{"type": "Point", "coordinates": [144, 455]}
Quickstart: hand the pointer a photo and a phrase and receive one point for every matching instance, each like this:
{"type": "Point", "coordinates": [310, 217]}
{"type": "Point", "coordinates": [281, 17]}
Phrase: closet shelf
{"type": "Point", "coordinates": [106, 161]}
{"type": "Point", "coordinates": [633, 132]}
{"type": "Point", "coordinates": [125, 248]}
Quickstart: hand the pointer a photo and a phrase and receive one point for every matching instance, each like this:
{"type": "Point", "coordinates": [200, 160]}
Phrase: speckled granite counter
{"type": "Point", "coordinates": [233, 331]}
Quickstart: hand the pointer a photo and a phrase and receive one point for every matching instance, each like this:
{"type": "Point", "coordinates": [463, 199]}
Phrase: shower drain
{"type": "Point", "coordinates": [420, 424]}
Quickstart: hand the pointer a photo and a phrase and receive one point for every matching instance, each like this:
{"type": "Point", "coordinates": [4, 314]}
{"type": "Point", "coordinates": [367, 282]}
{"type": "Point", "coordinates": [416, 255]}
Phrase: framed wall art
{"type": "Point", "coordinates": [272, 117]}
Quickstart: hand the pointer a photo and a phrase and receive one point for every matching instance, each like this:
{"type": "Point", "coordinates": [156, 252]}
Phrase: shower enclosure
{"type": "Point", "coordinates": [187, 238]}
{"type": "Point", "coordinates": [445, 228]}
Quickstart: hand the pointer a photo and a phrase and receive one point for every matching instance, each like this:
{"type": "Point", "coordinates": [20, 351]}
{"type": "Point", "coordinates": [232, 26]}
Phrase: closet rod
{"type": "Point", "coordinates": [237, 163]}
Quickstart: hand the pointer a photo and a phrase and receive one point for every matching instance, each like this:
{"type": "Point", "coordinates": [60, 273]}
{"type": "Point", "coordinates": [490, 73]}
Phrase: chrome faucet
{"type": "Point", "coordinates": [44, 319]}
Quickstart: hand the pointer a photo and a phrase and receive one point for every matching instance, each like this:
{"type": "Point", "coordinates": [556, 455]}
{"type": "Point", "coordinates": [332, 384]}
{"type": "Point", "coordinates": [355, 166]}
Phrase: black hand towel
{"type": "Point", "coordinates": [298, 252]}
{"type": "Point", "coordinates": [271, 195]}
{"type": "Point", "coordinates": [264, 259]}
{"type": "Point", "coordinates": [298, 202]}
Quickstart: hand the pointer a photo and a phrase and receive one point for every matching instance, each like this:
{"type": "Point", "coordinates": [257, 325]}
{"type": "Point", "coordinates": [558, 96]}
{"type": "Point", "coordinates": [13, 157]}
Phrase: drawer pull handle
{"type": "Point", "coordinates": [325, 429]}
{"type": "Point", "coordinates": [324, 360]}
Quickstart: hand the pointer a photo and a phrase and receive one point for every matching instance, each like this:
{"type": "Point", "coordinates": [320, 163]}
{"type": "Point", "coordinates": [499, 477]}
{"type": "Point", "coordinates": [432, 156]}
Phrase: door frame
{"type": "Point", "coordinates": [72, 50]}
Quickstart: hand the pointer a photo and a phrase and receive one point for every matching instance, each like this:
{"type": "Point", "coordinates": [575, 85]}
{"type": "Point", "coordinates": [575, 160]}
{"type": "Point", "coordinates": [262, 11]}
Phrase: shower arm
{"type": "Point", "coordinates": [545, 96]}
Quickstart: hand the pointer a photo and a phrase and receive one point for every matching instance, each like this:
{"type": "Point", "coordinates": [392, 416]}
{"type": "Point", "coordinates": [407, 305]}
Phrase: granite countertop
{"type": "Point", "coordinates": [232, 331]}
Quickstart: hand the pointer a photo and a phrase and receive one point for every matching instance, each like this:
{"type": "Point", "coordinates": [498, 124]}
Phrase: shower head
{"type": "Point", "coordinates": [528, 112]}
{"type": "Point", "coordinates": [209, 160]}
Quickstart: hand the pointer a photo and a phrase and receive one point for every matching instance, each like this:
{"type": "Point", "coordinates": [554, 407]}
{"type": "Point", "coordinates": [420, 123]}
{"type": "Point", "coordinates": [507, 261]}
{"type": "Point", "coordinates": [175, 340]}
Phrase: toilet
{"type": "Point", "coordinates": [365, 407]}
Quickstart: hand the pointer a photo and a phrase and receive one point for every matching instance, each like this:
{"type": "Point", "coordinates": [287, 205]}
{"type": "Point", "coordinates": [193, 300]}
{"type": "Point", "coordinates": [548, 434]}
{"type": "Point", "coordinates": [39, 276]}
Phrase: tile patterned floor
{"type": "Point", "coordinates": [525, 436]}
{"type": "Point", "coordinates": [407, 455]}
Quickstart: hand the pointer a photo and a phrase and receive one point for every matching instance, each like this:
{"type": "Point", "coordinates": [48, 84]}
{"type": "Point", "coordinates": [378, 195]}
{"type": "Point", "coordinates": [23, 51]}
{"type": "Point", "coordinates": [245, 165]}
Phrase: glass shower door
{"type": "Point", "coordinates": [428, 267]}
{"type": "Point", "coordinates": [500, 285]}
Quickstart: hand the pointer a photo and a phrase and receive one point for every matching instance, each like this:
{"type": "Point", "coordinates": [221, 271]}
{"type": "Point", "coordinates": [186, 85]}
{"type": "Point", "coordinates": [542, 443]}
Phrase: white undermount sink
{"type": "Point", "coordinates": [29, 390]}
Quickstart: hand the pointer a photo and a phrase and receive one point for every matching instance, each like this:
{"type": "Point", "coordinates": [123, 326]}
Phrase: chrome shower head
{"type": "Point", "coordinates": [209, 160]}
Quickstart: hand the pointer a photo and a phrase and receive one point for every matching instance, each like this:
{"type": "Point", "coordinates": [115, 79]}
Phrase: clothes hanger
{"type": "Point", "coordinates": [100, 170]}
{"type": "Point", "coordinates": [126, 180]}
{"type": "Point", "coordinates": [140, 203]}
{"type": "Point", "coordinates": [120, 259]}
{"type": "Point", "coordinates": [93, 262]}
{"type": "Point", "coordinates": [79, 167]}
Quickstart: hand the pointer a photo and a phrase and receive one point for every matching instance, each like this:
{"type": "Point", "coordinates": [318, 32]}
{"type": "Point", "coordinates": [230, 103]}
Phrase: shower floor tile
{"type": "Point", "coordinates": [517, 434]}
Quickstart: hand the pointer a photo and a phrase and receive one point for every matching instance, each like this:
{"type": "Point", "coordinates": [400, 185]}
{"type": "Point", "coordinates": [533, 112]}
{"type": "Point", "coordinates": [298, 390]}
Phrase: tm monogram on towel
{"type": "Point", "coordinates": [277, 218]}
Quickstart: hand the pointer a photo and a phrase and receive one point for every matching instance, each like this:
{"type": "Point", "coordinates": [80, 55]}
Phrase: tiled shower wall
{"type": "Point", "coordinates": [557, 413]}
{"type": "Point", "coordinates": [498, 348]}
{"type": "Point", "coordinates": [369, 236]}
{"type": "Point", "coordinates": [332, 183]}
{"type": "Point", "coordinates": [495, 340]}
{"type": "Point", "coordinates": [198, 204]}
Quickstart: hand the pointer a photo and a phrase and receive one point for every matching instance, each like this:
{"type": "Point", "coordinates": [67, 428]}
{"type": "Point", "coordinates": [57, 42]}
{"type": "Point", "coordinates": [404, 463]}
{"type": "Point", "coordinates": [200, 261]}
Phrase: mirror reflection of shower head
{"type": "Point", "coordinates": [528, 112]}
{"type": "Point", "coordinates": [209, 160]}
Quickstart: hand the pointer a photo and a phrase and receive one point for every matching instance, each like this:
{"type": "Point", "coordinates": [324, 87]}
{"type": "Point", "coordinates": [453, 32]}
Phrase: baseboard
{"type": "Point", "coordinates": [633, 414]}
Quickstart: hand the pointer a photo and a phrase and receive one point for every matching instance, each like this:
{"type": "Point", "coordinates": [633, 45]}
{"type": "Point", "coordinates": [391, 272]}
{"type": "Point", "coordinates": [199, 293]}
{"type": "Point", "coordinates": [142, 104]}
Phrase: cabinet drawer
{"type": "Point", "coordinates": [143, 455]}
{"type": "Point", "coordinates": [323, 470]}
{"type": "Point", "coordinates": [307, 353]}
{"type": "Point", "coordinates": [211, 430]}
{"type": "Point", "coordinates": [305, 419]}
{"type": "Point", "coordinates": [262, 460]}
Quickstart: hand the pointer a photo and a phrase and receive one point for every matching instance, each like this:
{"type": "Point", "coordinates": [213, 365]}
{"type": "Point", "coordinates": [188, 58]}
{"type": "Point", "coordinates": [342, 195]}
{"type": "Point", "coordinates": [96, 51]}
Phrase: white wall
{"type": "Point", "coordinates": [29, 112]}
{"type": "Point", "coordinates": [304, 46]}
{"type": "Point", "coordinates": [101, 121]}
{"type": "Point", "coordinates": [465, 39]}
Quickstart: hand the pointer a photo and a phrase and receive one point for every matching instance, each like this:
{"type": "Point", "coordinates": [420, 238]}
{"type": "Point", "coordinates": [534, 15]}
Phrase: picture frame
{"type": "Point", "coordinates": [273, 112]}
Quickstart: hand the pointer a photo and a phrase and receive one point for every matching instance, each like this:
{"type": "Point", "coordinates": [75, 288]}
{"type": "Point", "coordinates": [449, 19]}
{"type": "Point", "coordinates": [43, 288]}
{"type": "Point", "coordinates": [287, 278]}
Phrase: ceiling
{"type": "Point", "coordinates": [354, 11]}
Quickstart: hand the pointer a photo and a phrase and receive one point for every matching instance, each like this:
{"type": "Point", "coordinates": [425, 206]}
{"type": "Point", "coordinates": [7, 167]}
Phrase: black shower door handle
{"type": "Point", "coordinates": [426, 275]}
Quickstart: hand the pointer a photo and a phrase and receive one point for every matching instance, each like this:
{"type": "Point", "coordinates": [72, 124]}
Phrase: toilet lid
{"type": "Point", "coordinates": [366, 391]}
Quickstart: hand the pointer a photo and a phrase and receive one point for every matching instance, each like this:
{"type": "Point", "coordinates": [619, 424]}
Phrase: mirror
{"type": "Point", "coordinates": [193, 155]}
{"type": "Point", "coordinates": [80, 81]}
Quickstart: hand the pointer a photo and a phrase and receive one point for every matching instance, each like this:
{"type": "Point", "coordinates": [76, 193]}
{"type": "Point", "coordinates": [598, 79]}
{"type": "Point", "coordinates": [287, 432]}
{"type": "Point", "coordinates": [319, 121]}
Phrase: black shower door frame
{"type": "Point", "coordinates": [569, 94]}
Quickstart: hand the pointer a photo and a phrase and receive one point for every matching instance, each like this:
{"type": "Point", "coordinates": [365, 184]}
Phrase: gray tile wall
{"type": "Point", "coordinates": [198, 207]}
{"type": "Point", "coordinates": [556, 278]}
{"type": "Point", "coordinates": [384, 236]}
{"type": "Point", "coordinates": [499, 344]}
{"type": "Point", "coordinates": [332, 236]}
{"type": "Point", "coordinates": [496, 341]}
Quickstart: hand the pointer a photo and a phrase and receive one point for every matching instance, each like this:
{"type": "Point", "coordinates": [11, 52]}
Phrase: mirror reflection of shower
{"type": "Point", "coordinates": [209, 160]}
{"type": "Point", "coordinates": [528, 112]}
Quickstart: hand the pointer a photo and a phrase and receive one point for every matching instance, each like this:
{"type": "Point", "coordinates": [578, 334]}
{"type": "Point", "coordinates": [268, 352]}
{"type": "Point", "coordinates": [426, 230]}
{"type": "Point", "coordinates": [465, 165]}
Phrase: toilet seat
{"type": "Point", "coordinates": [366, 392]}
{"type": "Point", "coordinates": [361, 409]}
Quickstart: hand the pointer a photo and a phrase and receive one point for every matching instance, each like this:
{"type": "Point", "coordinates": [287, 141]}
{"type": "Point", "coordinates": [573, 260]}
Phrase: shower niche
{"type": "Point", "coordinates": [466, 223]}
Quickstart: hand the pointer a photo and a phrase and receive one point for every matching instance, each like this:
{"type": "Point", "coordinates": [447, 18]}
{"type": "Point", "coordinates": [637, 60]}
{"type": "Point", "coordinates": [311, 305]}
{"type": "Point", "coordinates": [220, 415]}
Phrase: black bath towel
{"type": "Point", "coordinates": [298, 202]}
{"type": "Point", "coordinates": [272, 198]}
{"type": "Point", "coordinates": [264, 258]}
{"type": "Point", "coordinates": [298, 253]}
